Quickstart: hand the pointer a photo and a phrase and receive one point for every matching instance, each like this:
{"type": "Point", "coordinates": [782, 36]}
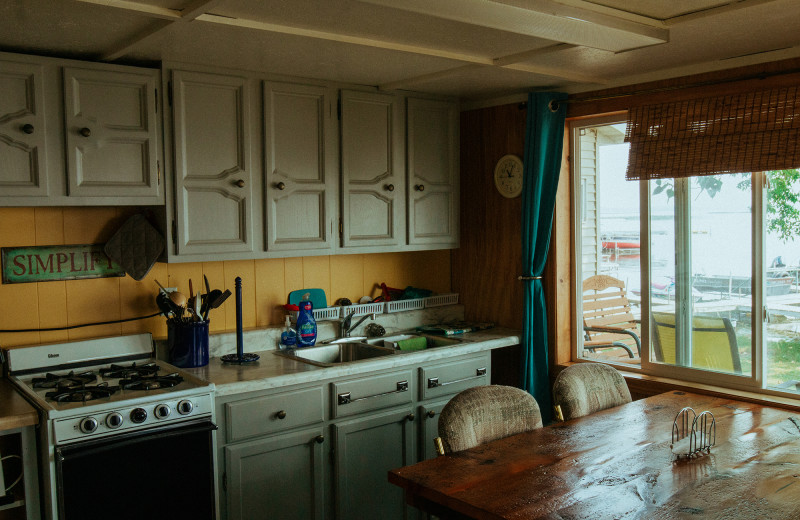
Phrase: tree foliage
{"type": "Point", "coordinates": [783, 210]}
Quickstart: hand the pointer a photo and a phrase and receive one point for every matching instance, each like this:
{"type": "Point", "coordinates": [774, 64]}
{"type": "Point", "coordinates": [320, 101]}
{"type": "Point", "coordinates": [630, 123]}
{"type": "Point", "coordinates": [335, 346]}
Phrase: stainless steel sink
{"type": "Point", "coordinates": [336, 353]}
{"type": "Point", "coordinates": [430, 341]}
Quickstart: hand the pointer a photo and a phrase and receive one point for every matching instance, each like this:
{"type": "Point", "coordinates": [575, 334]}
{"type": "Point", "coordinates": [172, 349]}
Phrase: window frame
{"type": "Point", "coordinates": [755, 381]}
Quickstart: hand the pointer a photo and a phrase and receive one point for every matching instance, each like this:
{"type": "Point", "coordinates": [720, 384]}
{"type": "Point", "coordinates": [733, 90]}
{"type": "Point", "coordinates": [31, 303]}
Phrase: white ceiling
{"type": "Point", "coordinates": [474, 49]}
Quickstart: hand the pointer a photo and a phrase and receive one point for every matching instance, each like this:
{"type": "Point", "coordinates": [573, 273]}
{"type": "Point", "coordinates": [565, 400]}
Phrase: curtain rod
{"type": "Point", "coordinates": [657, 90]}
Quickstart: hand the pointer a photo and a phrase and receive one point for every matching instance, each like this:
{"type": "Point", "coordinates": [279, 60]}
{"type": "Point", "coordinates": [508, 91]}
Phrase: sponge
{"type": "Point", "coordinates": [418, 343]}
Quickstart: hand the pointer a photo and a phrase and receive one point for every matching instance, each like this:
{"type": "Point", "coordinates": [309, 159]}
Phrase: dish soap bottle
{"type": "Point", "coordinates": [306, 324]}
{"type": "Point", "coordinates": [288, 336]}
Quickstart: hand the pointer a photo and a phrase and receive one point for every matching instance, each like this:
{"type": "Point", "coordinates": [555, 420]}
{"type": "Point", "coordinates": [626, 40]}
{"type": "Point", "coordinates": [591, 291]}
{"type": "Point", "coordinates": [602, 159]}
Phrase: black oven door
{"type": "Point", "coordinates": [165, 472]}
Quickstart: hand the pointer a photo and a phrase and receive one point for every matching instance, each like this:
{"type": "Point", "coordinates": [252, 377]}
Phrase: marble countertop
{"type": "Point", "coordinates": [273, 371]}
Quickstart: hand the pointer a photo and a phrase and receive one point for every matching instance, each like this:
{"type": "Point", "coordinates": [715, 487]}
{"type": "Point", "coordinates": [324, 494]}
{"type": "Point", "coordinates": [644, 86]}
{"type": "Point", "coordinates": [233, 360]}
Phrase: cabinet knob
{"type": "Point", "coordinates": [281, 414]}
{"type": "Point", "coordinates": [85, 132]}
{"type": "Point", "coordinates": [431, 414]}
{"type": "Point", "coordinates": [28, 128]}
{"type": "Point", "coordinates": [389, 187]}
{"type": "Point", "coordinates": [240, 183]}
{"type": "Point", "coordinates": [281, 186]}
{"type": "Point", "coordinates": [419, 187]}
{"type": "Point", "coordinates": [410, 417]}
{"type": "Point", "coordinates": [319, 439]}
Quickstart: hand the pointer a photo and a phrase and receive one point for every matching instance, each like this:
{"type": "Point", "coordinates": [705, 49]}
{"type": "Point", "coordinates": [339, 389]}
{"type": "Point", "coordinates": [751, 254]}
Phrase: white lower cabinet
{"type": "Point", "coordinates": [280, 476]}
{"type": "Point", "coordinates": [324, 449]}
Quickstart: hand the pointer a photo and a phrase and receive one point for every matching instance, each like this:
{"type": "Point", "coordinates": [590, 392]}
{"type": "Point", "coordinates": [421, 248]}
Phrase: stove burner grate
{"type": "Point", "coordinates": [151, 382]}
{"type": "Point", "coordinates": [82, 394]}
{"type": "Point", "coordinates": [64, 381]}
{"type": "Point", "coordinates": [129, 371]}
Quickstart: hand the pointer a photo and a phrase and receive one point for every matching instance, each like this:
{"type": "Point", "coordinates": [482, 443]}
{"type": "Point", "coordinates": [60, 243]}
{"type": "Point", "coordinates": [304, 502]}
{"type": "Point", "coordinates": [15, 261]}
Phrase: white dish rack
{"type": "Point", "coordinates": [334, 313]}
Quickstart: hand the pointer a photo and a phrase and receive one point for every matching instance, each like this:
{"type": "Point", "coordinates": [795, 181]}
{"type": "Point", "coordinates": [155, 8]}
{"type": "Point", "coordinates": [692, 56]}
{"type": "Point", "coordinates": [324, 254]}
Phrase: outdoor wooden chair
{"type": "Point", "coordinates": [714, 345]}
{"type": "Point", "coordinates": [607, 319]}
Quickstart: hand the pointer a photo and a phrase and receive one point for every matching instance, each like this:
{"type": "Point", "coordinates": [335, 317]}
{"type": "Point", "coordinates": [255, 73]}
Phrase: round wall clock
{"type": "Point", "coordinates": [508, 176]}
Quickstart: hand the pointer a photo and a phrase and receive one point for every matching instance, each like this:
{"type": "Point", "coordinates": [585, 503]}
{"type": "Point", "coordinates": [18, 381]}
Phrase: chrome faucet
{"type": "Point", "coordinates": [345, 328]}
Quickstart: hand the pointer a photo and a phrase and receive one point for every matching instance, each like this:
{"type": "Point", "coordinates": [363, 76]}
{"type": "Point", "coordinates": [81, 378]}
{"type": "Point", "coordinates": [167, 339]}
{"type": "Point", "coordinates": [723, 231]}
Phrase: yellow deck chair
{"type": "Point", "coordinates": [714, 344]}
{"type": "Point", "coordinates": [607, 319]}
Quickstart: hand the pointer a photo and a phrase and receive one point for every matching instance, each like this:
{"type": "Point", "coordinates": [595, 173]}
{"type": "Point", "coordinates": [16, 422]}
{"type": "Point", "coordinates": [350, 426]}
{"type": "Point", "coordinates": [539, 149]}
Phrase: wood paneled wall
{"type": "Point", "coordinates": [486, 266]}
{"type": "Point", "coordinates": [265, 283]}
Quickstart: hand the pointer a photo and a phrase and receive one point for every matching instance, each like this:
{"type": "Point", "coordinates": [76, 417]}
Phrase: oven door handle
{"type": "Point", "coordinates": [75, 451]}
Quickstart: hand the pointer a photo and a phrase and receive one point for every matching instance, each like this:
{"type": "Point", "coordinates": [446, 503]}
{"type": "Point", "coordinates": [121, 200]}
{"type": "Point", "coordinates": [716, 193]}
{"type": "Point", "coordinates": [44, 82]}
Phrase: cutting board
{"type": "Point", "coordinates": [318, 299]}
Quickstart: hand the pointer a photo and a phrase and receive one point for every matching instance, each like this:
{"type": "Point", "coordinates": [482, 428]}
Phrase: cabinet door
{"type": "Point", "coordinates": [213, 172]}
{"type": "Point", "coordinates": [429, 427]}
{"type": "Point", "coordinates": [373, 189]}
{"type": "Point", "coordinates": [433, 178]}
{"type": "Point", "coordinates": [300, 167]}
{"type": "Point", "coordinates": [366, 449]}
{"type": "Point", "coordinates": [23, 164]}
{"type": "Point", "coordinates": [276, 477]}
{"type": "Point", "coordinates": [111, 133]}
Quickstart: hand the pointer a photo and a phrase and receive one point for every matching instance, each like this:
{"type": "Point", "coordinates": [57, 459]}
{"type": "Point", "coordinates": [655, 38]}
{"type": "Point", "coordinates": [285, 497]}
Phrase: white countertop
{"type": "Point", "coordinates": [273, 371]}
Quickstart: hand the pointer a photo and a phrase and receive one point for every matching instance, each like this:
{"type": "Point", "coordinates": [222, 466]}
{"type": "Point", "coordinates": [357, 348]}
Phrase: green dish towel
{"type": "Point", "coordinates": [412, 344]}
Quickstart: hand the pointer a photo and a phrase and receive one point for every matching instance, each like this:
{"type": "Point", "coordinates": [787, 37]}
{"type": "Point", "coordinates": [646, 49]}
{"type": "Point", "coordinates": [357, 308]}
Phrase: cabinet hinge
{"type": "Point", "coordinates": [174, 233]}
{"type": "Point", "coordinates": [169, 93]}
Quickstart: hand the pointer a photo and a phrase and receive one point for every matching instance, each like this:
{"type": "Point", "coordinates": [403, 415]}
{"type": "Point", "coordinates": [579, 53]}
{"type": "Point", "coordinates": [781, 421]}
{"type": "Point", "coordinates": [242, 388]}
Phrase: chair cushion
{"type": "Point", "coordinates": [486, 413]}
{"type": "Point", "coordinates": [588, 388]}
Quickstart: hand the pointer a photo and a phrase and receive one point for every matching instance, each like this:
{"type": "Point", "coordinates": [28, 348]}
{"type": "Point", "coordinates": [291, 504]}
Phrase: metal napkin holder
{"type": "Point", "coordinates": [692, 433]}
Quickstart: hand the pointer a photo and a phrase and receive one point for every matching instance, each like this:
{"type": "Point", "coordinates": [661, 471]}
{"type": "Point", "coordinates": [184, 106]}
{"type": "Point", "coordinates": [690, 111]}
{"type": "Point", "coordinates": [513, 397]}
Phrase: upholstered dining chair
{"type": "Point", "coordinates": [587, 388]}
{"type": "Point", "coordinates": [483, 414]}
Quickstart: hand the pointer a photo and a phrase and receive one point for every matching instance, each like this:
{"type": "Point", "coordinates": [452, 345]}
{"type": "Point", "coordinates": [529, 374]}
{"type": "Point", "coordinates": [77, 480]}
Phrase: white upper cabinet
{"type": "Point", "coordinates": [433, 176]}
{"type": "Point", "coordinates": [23, 164]}
{"type": "Point", "coordinates": [212, 164]}
{"type": "Point", "coordinates": [373, 170]}
{"type": "Point", "coordinates": [75, 133]}
{"type": "Point", "coordinates": [111, 132]}
{"type": "Point", "coordinates": [300, 167]}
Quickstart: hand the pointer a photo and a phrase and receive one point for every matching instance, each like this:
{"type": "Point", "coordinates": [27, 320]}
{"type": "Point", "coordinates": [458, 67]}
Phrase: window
{"type": "Point", "coordinates": [710, 267]}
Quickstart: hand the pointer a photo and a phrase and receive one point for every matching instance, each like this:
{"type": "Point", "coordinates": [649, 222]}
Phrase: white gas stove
{"type": "Point", "coordinates": [112, 395]}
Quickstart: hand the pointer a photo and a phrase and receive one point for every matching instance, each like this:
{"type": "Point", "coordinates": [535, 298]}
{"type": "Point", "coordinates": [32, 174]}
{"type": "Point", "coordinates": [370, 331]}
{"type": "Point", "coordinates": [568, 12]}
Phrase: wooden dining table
{"type": "Point", "coordinates": [619, 463]}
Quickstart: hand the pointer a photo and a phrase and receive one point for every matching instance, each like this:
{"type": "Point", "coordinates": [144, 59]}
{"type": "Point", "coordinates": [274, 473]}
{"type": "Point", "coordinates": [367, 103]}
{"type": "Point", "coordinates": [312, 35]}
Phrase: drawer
{"type": "Point", "coordinates": [453, 377]}
{"type": "Point", "coordinates": [272, 413]}
{"type": "Point", "coordinates": [371, 393]}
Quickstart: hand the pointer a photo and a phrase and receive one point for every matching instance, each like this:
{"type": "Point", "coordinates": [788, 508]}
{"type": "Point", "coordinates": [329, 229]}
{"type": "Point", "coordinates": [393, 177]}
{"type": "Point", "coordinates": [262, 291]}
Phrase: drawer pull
{"type": "Point", "coordinates": [281, 414]}
{"type": "Point", "coordinates": [344, 398]}
{"type": "Point", "coordinates": [433, 382]}
{"type": "Point", "coordinates": [319, 439]}
{"type": "Point", "coordinates": [431, 414]}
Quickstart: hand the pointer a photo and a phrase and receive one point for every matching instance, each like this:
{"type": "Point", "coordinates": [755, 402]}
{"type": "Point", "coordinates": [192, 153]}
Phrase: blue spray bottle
{"type": "Point", "coordinates": [306, 324]}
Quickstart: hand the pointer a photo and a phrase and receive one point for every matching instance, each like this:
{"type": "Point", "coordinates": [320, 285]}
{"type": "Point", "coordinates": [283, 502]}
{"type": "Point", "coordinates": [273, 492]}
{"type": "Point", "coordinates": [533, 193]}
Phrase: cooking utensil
{"type": "Point", "coordinates": [208, 299]}
{"type": "Point", "coordinates": [165, 305]}
{"type": "Point", "coordinates": [179, 299]}
{"type": "Point", "coordinates": [220, 300]}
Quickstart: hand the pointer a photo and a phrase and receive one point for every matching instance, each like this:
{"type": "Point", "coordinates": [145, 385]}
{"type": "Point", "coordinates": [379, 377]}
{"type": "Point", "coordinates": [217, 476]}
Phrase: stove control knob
{"type": "Point", "coordinates": [114, 420]}
{"type": "Point", "coordinates": [88, 424]}
{"type": "Point", "coordinates": [185, 407]}
{"type": "Point", "coordinates": [162, 411]}
{"type": "Point", "coordinates": [138, 415]}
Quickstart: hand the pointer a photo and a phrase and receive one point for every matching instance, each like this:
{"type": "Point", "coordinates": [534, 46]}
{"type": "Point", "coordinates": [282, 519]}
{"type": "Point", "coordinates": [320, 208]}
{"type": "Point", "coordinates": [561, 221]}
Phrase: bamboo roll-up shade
{"type": "Point", "coordinates": [747, 132]}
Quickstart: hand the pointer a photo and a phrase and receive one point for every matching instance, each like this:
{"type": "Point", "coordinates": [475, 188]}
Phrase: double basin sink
{"type": "Point", "coordinates": [347, 350]}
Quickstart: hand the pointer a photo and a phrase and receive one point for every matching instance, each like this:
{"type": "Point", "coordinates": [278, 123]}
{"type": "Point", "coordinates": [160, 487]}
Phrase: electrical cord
{"type": "Point", "coordinates": [20, 474]}
{"type": "Point", "coordinates": [83, 325]}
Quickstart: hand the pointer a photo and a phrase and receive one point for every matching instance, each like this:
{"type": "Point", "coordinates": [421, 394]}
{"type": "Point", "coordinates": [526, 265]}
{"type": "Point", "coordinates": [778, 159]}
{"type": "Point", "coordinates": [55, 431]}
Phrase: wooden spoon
{"type": "Point", "coordinates": [179, 299]}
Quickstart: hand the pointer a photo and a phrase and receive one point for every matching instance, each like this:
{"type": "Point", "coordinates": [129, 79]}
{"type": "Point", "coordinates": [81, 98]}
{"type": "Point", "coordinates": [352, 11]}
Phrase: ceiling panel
{"type": "Point", "coordinates": [661, 9]}
{"type": "Point", "coordinates": [383, 23]}
{"type": "Point", "coordinates": [478, 82]}
{"type": "Point", "coordinates": [225, 46]}
{"type": "Point", "coordinates": [65, 28]}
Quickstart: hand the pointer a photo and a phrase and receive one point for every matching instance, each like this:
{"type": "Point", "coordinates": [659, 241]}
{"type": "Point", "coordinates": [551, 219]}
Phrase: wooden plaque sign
{"type": "Point", "coordinates": [51, 263]}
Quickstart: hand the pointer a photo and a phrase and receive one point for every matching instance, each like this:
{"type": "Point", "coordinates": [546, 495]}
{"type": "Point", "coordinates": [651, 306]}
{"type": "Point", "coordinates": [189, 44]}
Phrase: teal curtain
{"type": "Point", "coordinates": [544, 140]}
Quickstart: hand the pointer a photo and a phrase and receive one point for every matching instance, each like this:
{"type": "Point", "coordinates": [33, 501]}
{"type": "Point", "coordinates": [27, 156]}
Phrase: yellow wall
{"type": "Point", "coordinates": [265, 283]}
